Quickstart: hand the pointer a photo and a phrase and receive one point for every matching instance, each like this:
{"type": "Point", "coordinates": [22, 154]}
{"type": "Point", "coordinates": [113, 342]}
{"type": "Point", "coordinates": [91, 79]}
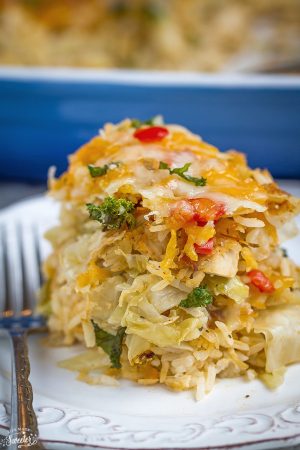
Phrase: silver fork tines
{"type": "Point", "coordinates": [3, 267]}
{"type": "Point", "coordinates": [19, 271]}
{"type": "Point", "coordinates": [20, 279]}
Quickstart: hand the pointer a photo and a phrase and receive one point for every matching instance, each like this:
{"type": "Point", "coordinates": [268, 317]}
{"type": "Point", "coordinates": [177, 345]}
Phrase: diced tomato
{"type": "Point", "coordinates": [206, 248]}
{"type": "Point", "coordinates": [261, 281]}
{"type": "Point", "coordinates": [182, 213]}
{"type": "Point", "coordinates": [199, 220]}
{"type": "Point", "coordinates": [199, 210]}
{"type": "Point", "coordinates": [206, 209]}
{"type": "Point", "coordinates": [151, 134]}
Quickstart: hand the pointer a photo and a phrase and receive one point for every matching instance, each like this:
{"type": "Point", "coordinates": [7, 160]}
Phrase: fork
{"type": "Point", "coordinates": [20, 278]}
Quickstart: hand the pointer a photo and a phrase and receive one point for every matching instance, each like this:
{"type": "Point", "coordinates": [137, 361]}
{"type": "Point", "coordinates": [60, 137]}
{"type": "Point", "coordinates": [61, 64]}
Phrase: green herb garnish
{"type": "Point", "coordinates": [284, 252]}
{"type": "Point", "coordinates": [180, 171]}
{"type": "Point", "coordinates": [111, 344]}
{"type": "Point", "coordinates": [200, 296]}
{"type": "Point", "coordinates": [96, 171]}
{"type": "Point", "coordinates": [164, 165]}
{"type": "Point", "coordinates": [136, 123]}
{"type": "Point", "coordinates": [112, 213]}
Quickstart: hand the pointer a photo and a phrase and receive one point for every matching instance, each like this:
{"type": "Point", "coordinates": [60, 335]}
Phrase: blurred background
{"type": "Point", "coordinates": [197, 35]}
{"type": "Point", "coordinates": [44, 118]}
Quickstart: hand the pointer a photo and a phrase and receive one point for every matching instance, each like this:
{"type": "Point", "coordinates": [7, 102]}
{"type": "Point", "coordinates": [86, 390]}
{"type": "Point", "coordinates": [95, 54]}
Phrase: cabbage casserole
{"type": "Point", "coordinates": [167, 262]}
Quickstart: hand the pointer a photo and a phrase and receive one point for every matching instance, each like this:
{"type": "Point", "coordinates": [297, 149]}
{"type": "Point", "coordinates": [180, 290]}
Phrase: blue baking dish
{"type": "Point", "coordinates": [45, 114]}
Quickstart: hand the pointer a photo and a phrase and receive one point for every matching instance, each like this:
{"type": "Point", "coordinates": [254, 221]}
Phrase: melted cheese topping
{"type": "Point", "coordinates": [229, 179]}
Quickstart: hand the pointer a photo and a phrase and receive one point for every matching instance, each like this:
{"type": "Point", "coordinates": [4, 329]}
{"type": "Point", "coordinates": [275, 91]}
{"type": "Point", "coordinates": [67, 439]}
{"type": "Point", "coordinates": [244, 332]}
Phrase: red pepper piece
{"type": "Point", "coordinates": [183, 212]}
{"type": "Point", "coordinates": [261, 281]}
{"type": "Point", "coordinates": [206, 210]}
{"type": "Point", "coordinates": [206, 248]}
{"type": "Point", "coordinates": [197, 210]}
{"type": "Point", "coordinates": [151, 134]}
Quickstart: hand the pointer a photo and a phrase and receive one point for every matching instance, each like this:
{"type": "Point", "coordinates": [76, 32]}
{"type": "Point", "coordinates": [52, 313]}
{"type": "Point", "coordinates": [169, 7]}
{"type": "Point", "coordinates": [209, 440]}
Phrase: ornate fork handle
{"type": "Point", "coordinates": [23, 427]}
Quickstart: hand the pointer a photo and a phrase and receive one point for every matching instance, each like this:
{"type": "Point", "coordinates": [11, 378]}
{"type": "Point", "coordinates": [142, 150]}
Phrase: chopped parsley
{"type": "Point", "coordinates": [200, 296]}
{"type": "Point", "coordinates": [113, 213]}
{"type": "Point", "coordinates": [180, 171]}
{"type": "Point", "coordinates": [284, 252]}
{"type": "Point", "coordinates": [111, 344]}
{"type": "Point", "coordinates": [96, 171]}
{"type": "Point", "coordinates": [156, 120]}
{"type": "Point", "coordinates": [164, 165]}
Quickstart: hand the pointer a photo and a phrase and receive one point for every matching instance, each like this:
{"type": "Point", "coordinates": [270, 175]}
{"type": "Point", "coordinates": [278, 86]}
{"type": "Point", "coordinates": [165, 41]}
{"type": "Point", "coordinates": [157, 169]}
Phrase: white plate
{"type": "Point", "coordinates": [70, 413]}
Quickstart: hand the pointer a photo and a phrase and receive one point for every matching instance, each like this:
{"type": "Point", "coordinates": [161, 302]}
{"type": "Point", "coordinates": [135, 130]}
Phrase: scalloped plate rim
{"type": "Point", "coordinates": [285, 439]}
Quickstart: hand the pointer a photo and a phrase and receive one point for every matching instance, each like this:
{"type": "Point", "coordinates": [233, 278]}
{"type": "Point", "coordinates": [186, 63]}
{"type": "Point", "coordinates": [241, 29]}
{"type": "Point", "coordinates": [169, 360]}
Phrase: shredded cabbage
{"type": "Point", "coordinates": [92, 359]}
{"type": "Point", "coordinates": [281, 328]}
{"type": "Point", "coordinates": [162, 335]}
{"type": "Point", "coordinates": [231, 287]}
